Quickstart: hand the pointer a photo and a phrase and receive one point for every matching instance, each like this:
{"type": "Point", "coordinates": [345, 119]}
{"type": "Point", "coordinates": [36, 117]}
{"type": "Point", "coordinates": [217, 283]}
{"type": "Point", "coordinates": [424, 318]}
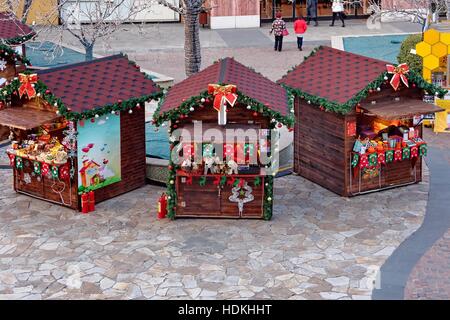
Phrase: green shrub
{"type": "Point", "coordinates": [405, 56]}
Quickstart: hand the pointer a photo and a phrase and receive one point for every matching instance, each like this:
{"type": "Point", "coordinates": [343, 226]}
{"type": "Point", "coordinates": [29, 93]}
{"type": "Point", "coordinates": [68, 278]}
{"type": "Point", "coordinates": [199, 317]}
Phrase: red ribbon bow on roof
{"type": "Point", "coordinates": [27, 81]}
{"type": "Point", "coordinates": [223, 94]}
{"type": "Point", "coordinates": [399, 72]}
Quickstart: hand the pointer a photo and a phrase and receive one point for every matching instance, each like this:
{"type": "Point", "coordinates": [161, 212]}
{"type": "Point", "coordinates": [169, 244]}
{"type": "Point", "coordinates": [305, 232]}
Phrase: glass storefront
{"type": "Point", "coordinates": [292, 8]}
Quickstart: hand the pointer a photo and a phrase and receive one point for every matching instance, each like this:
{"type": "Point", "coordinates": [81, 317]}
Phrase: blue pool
{"type": "Point", "coordinates": [47, 55]}
{"type": "Point", "coordinates": [384, 47]}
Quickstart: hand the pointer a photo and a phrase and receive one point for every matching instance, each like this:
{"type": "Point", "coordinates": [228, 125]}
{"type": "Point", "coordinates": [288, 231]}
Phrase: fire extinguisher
{"type": "Point", "coordinates": [91, 201]}
{"type": "Point", "coordinates": [162, 206]}
{"type": "Point", "coordinates": [85, 203]}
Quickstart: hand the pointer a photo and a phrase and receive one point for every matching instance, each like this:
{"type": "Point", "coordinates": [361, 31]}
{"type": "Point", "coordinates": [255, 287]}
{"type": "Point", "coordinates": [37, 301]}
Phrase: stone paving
{"type": "Point", "coordinates": [317, 246]}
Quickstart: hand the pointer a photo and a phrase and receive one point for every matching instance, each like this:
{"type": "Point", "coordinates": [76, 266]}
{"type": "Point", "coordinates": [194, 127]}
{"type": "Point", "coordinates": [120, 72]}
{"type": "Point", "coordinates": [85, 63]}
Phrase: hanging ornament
{"type": "Point", "coordinates": [381, 157]}
{"type": "Point", "coordinates": [406, 154]}
{"type": "Point", "coordinates": [223, 180]}
{"type": "Point", "coordinates": [355, 160]}
{"type": "Point", "coordinates": [216, 181]}
{"type": "Point", "coordinates": [257, 182]}
{"type": "Point", "coordinates": [241, 195]}
{"type": "Point", "coordinates": [202, 181]}
{"type": "Point", "coordinates": [3, 65]}
{"type": "Point", "coordinates": [231, 181]}
{"type": "Point", "coordinates": [398, 154]}
{"type": "Point", "coordinates": [64, 172]}
{"type": "Point", "coordinates": [222, 95]}
{"type": "Point", "coordinates": [27, 82]}
{"type": "Point", "coordinates": [423, 150]}
{"type": "Point", "coordinates": [45, 169]}
{"type": "Point", "coordinates": [364, 161]}
{"type": "Point", "coordinates": [373, 159]}
{"type": "Point", "coordinates": [19, 163]}
{"type": "Point", "coordinates": [189, 180]}
{"type": "Point", "coordinates": [228, 150]}
{"type": "Point", "coordinates": [399, 74]}
{"type": "Point", "coordinates": [12, 159]}
{"type": "Point", "coordinates": [55, 172]}
{"type": "Point", "coordinates": [414, 152]}
{"type": "Point", "coordinates": [37, 168]}
{"type": "Point", "coordinates": [389, 156]}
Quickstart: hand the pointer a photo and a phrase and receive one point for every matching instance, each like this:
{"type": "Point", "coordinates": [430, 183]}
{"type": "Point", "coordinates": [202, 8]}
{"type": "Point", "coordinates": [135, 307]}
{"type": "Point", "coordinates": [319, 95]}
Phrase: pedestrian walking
{"type": "Point", "coordinates": [279, 30]}
{"type": "Point", "coordinates": [300, 28]}
{"type": "Point", "coordinates": [311, 11]}
{"type": "Point", "coordinates": [338, 10]}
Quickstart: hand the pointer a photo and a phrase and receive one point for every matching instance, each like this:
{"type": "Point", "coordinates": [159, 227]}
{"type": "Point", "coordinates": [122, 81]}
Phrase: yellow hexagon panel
{"type": "Point", "coordinates": [427, 74]}
{"type": "Point", "coordinates": [431, 36]}
{"type": "Point", "coordinates": [423, 49]}
{"type": "Point", "coordinates": [445, 38]}
{"type": "Point", "coordinates": [439, 49]}
{"type": "Point", "coordinates": [431, 62]}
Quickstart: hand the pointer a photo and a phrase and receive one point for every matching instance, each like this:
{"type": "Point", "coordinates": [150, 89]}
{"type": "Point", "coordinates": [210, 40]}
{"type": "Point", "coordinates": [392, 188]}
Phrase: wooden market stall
{"type": "Point", "coordinates": [14, 32]}
{"type": "Point", "coordinates": [224, 152]}
{"type": "Point", "coordinates": [358, 125]}
{"type": "Point", "coordinates": [78, 129]}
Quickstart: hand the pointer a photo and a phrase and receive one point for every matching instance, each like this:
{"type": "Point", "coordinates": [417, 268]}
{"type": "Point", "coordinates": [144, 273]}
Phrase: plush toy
{"type": "Point", "coordinates": [232, 167]}
{"type": "Point", "coordinates": [209, 164]}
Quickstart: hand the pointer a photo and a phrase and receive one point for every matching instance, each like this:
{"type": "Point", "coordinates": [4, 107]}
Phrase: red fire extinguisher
{"type": "Point", "coordinates": [91, 201]}
{"type": "Point", "coordinates": [162, 206]}
{"type": "Point", "coordinates": [84, 203]}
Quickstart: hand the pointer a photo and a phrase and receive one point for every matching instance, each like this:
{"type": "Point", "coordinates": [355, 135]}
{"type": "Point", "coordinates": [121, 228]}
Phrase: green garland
{"type": "Point", "coordinates": [268, 198]}
{"type": "Point", "coordinates": [344, 108]}
{"type": "Point", "coordinates": [43, 92]}
{"type": "Point", "coordinates": [19, 39]}
{"type": "Point", "coordinates": [190, 104]}
{"type": "Point", "coordinates": [10, 55]}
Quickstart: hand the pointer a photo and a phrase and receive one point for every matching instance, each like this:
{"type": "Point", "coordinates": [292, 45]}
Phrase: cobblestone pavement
{"type": "Point", "coordinates": [430, 277]}
{"type": "Point", "coordinates": [317, 246]}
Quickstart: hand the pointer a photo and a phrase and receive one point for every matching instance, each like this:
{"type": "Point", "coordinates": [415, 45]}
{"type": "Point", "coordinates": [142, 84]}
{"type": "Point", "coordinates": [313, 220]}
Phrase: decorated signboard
{"type": "Point", "coordinates": [99, 162]}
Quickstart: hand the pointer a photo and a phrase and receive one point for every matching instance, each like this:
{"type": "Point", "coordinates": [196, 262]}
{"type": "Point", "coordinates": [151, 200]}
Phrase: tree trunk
{"type": "Point", "coordinates": [26, 9]}
{"type": "Point", "coordinates": [89, 49]}
{"type": "Point", "coordinates": [192, 49]}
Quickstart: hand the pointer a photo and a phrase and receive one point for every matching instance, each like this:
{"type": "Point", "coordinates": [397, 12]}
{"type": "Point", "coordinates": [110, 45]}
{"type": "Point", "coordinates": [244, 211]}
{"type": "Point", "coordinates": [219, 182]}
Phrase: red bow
{"type": "Point", "coordinates": [27, 81]}
{"type": "Point", "coordinates": [398, 73]}
{"type": "Point", "coordinates": [223, 94]}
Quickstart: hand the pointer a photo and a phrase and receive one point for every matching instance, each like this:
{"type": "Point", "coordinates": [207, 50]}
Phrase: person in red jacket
{"type": "Point", "coordinates": [300, 28]}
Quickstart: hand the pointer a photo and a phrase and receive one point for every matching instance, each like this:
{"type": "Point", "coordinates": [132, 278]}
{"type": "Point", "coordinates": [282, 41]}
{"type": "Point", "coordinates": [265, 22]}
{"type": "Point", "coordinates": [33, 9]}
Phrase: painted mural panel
{"type": "Point", "coordinates": [99, 161]}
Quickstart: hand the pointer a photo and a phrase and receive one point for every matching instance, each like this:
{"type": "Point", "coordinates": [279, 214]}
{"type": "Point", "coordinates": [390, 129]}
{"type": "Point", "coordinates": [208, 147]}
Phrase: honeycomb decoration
{"type": "Point", "coordinates": [433, 49]}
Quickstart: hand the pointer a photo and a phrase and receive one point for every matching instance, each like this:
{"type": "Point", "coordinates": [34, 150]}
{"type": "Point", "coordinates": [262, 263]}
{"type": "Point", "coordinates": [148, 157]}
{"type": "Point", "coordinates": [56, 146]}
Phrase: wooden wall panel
{"type": "Point", "coordinates": [319, 146]}
{"type": "Point", "coordinates": [224, 8]}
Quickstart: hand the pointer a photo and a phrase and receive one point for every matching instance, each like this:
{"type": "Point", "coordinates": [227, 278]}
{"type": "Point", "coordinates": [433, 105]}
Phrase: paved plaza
{"type": "Point", "coordinates": [317, 246]}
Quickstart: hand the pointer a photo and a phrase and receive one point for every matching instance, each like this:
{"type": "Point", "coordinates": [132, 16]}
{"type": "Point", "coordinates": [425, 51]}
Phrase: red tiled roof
{"type": "Point", "coordinates": [229, 71]}
{"type": "Point", "coordinates": [11, 27]}
{"type": "Point", "coordinates": [334, 74]}
{"type": "Point", "coordinates": [97, 83]}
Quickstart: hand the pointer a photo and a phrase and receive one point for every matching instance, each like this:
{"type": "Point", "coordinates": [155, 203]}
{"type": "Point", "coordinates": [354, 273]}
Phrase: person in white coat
{"type": "Point", "coordinates": [338, 10]}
